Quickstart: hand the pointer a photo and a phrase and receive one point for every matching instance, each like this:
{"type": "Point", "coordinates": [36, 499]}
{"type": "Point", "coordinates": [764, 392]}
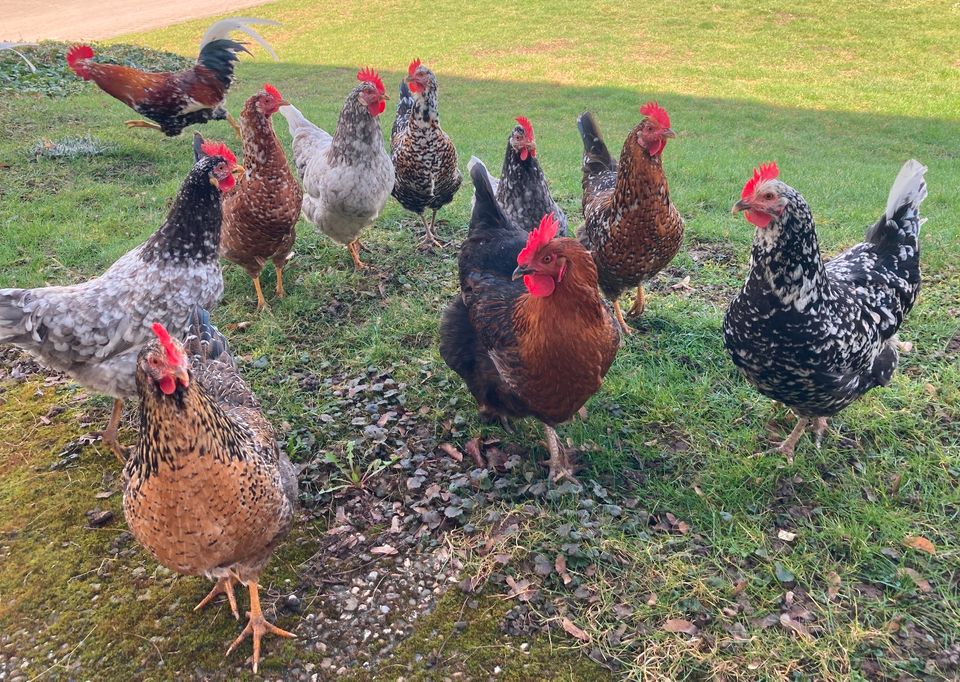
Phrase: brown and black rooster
{"type": "Point", "coordinates": [631, 226]}
{"type": "Point", "coordinates": [424, 157]}
{"type": "Point", "coordinates": [208, 492]}
{"type": "Point", "coordinates": [816, 336]}
{"type": "Point", "coordinates": [178, 99]}
{"type": "Point", "coordinates": [539, 347]}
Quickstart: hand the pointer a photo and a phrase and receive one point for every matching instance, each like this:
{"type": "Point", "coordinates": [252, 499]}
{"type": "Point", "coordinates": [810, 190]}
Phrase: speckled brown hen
{"type": "Point", "coordinates": [631, 226]}
{"type": "Point", "coordinates": [260, 215]}
{"type": "Point", "coordinates": [424, 157]}
{"type": "Point", "coordinates": [208, 491]}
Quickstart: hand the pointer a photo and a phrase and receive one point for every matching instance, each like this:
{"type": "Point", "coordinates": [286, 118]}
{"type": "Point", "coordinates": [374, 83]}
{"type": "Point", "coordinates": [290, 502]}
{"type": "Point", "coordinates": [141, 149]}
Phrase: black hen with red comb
{"type": "Point", "coordinates": [816, 336]}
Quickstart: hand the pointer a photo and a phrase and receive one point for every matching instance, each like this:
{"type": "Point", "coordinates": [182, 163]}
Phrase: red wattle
{"type": "Point", "coordinates": [524, 154]}
{"type": "Point", "coordinates": [539, 285]}
{"type": "Point", "coordinates": [168, 385]}
{"type": "Point", "coordinates": [227, 183]}
{"type": "Point", "coordinates": [758, 218]}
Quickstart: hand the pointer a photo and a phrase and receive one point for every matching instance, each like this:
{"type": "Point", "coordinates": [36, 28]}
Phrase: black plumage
{"type": "Point", "coordinates": [816, 336]}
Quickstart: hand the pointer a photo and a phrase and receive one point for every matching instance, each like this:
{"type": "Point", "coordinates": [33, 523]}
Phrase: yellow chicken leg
{"type": "Point", "coordinates": [639, 305]}
{"type": "Point", "coordinates": [623, 323]}
{"type": "Point", "coordinates": [354, 248]}
{"type": "Point", "coordinates": [429, 240]}
{"type": "Point", "coordinates": [257, 626]}
{"type": "Point", "coordinates": [261, 301]}
{"type": "Point", "coordinates": [109, 434]}
{"type": "Point", "coordinates": [143, 124]}
{"type": "Point", "coordinates": [280, 290]}
{"type": "Point", "coordinates": [236, 126]}
{"type": "Point", "coordinates": [223, 586]}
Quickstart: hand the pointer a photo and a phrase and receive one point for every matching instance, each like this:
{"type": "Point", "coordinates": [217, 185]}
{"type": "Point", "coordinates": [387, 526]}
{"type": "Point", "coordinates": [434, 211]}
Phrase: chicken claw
{"type": "Point", "coordinates": [223, 586]}
{"type": "Point", "coordinates": [109, 434]}
{"type": "Point", "coordinates": [261, 301]}
{"type": "Point", "coordinates": [624, 327]}
{"type": "Point", "coordinates": [560, 465]}
{"type": "Point", "coordinates": [257, 626]}
{"type": "Point", "coordinates": [354, 249]}
{"type": "Point", "coordinates": [639, 305]}
{"type": "Point", "coordinates": [142, 124]}
{"type": "Point", "coordinates": [429, 240]}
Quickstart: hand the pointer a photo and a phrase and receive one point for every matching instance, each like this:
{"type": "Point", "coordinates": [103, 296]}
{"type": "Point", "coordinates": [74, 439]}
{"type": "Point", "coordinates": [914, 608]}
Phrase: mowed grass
{"type": "Point", "coordinates": [838, 94]}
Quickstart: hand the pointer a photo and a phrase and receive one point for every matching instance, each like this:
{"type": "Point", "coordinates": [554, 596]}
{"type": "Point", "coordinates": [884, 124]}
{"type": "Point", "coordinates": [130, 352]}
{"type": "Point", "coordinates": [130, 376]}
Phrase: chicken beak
{"type": "Point", "coordinates": [238, 172]}
{"type": "Point", "coordinates": [385, 96]}
{"type": "Point", "coordinates": [742, 205]}
{"type": "Point", "coordinates": [283, 103]}
{"type": "Point", "coordinates": [668, 133]}
{"type": "Point", "coordinates": [521, 271]}
{"type": "Point", "coordinates": [214, 182]}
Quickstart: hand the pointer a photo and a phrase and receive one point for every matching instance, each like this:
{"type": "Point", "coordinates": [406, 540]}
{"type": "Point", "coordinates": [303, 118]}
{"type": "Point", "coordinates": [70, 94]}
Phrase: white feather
{"type": "Point", "coordinates": [222, 29]}
{"type": "Point", "coordinates": [908, 188]}
{"type": "Point", "coordinates": [11, 46]}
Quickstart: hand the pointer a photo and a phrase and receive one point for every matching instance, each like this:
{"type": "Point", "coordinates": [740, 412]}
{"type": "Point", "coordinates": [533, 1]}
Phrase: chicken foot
{"type": "Point", "coordinates": [109, 434]}
{"type": "Point", "coordinates": [624, 327]}
{"type": "Point", "coordinates": [223, 586]}
{"type": "Point", "coordinates": [257, 626]}
{"type": "Point", "coordinates": [354, 249]}
{"type": "Point", "coordinates": [236, 126]}
{"type": "Point", "coordinates": [142, 124]}
{"type": "Point", "coordinates": [429, 240]}
{"type": "Point", "coordinates": [280, 290]}
{"type": "Point", "coordinates": [639, 305]}
{"type": "Point", "coordinates": [261, 301]}
{"type": "Point", "coordinates": [560, 465]}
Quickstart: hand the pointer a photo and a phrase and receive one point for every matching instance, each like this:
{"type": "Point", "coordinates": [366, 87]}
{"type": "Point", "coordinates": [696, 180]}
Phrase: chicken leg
{"type": "Point", "coordinates": [624, 327]}
{"type": "Point", "coordinates": [280, 290]}
{"type": "Point", "coordinates": [257, 626]}
{"type": "Point", "coordinates": [429, 240]}
{"type": "Point", "coordinates": [261, 301]}
{"type": "Point", "coordinates": [142, 124]}
{"type": "Point", "coordinates": [354, 249]}
{"type": "Point", "coordinates": [236, 126]}
{"type": "Point", "coordinates": [560, 465]}
{"type": "Point", "coordinates": [639, 305]}
{"type": "Point", "coordinates": [223, 586]}
{"type": "Point", "coordinates": [109, 434]}
{"type": "Point", "coordinates": [787, 446]}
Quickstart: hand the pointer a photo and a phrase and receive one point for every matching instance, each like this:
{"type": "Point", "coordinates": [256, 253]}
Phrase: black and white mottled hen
{"type": "Point", "coordinates": [816, 336]}
{"type": "Point", "coordinates": [522, 189]}
{"type": "Point", "coordinates": [423, 154]}
{"type": "Point", "coordinates": [93, 331]}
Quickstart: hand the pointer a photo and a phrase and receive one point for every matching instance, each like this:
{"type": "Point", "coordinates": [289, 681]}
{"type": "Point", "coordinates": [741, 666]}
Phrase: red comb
{"type": "Point", "coordinates": [539, 236]}
{"type": "Point", "coordinates": [368, 75]}
{"type": "Point", "coordinates": [657, 113]}
{"type": "Point", "coordinates": [766, 171]}
{"type": "Point", "coordinates": [272, 91]}
{"type": "Point", "coordinates": [412, 69]}
{"type": "Point", "coordinates": [173, 353]}
{"type": "Point", "coordinates": [527, 127]}
{"type": "Point", "coordinates": [219, 149]}
{"type": "Point", "coordinates": [78, 52]}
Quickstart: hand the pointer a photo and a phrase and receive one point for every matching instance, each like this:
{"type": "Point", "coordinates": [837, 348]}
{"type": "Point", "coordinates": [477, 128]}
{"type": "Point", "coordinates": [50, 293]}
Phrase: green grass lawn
{"type": "Point", "coordinates": [839, 94]}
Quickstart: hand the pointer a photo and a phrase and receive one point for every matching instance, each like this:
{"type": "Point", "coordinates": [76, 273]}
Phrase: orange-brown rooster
{"type": "Point", "coordinates": [260, 214]}
{"type": "Point", "coordinates": [537, 348]}
{"type": "Point", "coordinates": [178, 99]}
{"type": "Point", "coordinates": [208, 492]}
{"type": "Point", "coordinates": [631, 226]}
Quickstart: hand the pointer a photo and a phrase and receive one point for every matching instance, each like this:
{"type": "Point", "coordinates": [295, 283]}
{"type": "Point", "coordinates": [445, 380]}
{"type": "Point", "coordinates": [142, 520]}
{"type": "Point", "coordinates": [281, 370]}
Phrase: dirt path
{"type": "Point", "coordinates": [78, 20]}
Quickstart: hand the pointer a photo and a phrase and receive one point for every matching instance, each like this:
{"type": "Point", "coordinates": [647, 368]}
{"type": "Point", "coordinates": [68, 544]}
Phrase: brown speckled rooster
{"type": "Point", "coordinates": [177, 99]}
{"type": "Point", "coordinates": [208, 491]}
{"type": "Point", "coordinates": [260, 214]}
{"type": "Point", "coordinates": [423, 155]}
{"type": "Point", "coordinates": [631, 226]}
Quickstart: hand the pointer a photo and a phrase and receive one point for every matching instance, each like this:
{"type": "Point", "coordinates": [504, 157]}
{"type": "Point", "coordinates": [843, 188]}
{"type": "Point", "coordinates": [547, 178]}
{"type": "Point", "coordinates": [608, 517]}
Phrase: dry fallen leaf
{"type": "Point", "coordinates": [683, 284]}
{"type": "Point", "coordinates": [834, 588]}
{"type": "Point", "coordinates": [452, 451]}
{"type": "Point", "coordinates": [786, 535]}
{"type": "Point", "coordinates": [571, 629]}
{"type": "Point", "coordinates": [790, 624]}
{"type": "Point", "coordinates": [922, 583]}
{"type": "Point", "coordinates": [920, 543]}
{"type": "Point", "coordinates": [739, 587]}
{"type": "Point", "coordinates": [385, 550]}
{"type": "Point", "coordinates": [473, 449]}
{"type": "Point", "coordinates": [680, 625]}
{"type": "Point", "coordinates": [560, 564]}
{"type": "Point", "coordinates": [520, 589]}
{"type": "Point", "coordinates": [652, 599]}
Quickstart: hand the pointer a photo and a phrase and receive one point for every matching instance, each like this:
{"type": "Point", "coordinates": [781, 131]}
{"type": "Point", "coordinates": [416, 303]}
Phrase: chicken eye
{"type": "Point", "coordinates": [548, 258]}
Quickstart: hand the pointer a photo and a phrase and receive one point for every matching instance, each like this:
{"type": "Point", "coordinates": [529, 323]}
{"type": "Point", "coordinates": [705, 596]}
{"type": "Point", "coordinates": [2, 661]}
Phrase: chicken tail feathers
{"type": "Point", "coordinates": [486, 210]}
{"type": "Point", "coordinates": [596, 156]}
{"type": "Point", "coordinates": [204, 340]}
{"type": "Point", "coordinates": [198, 146]}
{"type": "Point", "coordinates": [494, 182]}
{"type": "Point", "coordinates": [222, 29]}
{"type": "Point", "coordinates": [11, 314]}
{"type": "Point", "coordinates": [901, 221]}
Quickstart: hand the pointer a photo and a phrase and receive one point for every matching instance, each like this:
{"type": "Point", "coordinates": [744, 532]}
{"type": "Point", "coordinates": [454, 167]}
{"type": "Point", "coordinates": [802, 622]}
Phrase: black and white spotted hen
{"type": "Point", "coordinates": [816, 336]}
{"type": "Point", "coordinates": [424, 157]}
{"type": "Point", "coordinates": [522, 189]}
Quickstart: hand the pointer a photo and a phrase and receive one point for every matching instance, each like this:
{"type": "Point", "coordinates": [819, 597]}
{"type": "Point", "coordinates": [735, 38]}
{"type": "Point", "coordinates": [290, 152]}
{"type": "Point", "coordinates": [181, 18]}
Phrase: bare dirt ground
{"type": "Point", "coordinates": [78, 20]}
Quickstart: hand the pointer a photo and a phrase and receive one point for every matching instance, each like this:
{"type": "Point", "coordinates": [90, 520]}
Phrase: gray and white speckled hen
{"type": "Point", "coordinates": [207, 491]}
{"type": "Point", "coordinates": [816, 336]}
{"type": "Point", "coordinates": [522, 189]}
{"type": "Point", "coordinates": [93, 331]}
{"type": "Point", "coordinates": [347, 177]}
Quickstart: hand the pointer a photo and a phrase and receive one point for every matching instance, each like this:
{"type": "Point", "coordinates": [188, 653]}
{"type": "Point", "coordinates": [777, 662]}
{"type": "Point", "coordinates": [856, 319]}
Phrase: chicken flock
{"type": "Point", "coordinates": [207, 490]}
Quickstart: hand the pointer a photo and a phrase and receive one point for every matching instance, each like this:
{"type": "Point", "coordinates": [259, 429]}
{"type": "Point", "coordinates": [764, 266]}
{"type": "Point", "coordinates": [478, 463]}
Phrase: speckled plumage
{"type": "Point", "coordinates": [423, 154]}
{"type": "Point", "coordinates": [522, 190]}
{"type": "Point", "coordinates": [260, 214]}
{"type": "Point", "coordinates": [630, 225]}
{"type": "Point", "coordinates": [208, 491]}
{"type": "Point", "coordinates": [93, 331]}
{"type": "Point", "coordinates": [816, 336]}
{"type": "Point", "coordinates": [347, 177]}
